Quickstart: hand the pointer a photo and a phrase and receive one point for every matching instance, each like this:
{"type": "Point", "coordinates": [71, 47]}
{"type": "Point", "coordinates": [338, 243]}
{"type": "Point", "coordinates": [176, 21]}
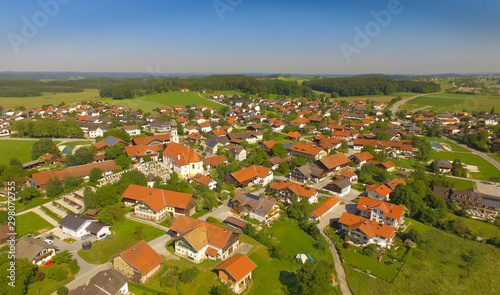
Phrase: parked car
{"type": "Point", "coordinates": [87, 245]}
{"type": "Point", "coordinates": [48, 263]}
{"type": "Point", "coordinates": [50, 242]}
{"type": "Point", "coordinates": [49, 237]}
{"type": "Point", "coordinates": [84, 237]}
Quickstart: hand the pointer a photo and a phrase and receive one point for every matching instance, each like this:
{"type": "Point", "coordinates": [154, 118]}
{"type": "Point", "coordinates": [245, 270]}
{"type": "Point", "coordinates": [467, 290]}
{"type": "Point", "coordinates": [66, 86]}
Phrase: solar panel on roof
{"type": "Point", "coordinates": [308, 188]}
{"type": "Point", "coordinates": [253, 196]}
{"type": "Point", "coordinates": [110, 140]}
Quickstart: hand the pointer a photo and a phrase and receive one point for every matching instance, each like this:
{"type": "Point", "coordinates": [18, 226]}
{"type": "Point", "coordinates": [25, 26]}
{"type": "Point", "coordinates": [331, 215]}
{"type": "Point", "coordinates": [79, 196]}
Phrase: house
{"type": "Point", "coordinates": [333, 163]}
{"type": "Point", "coordinates": [393, 183]}
{"type": "Point", "coordinates": [212, 145]}
{"type": "Point", "coordinates": [182, 159]}
{"type": "Point", "coordinates": [109, 141]}
{"type": "Point", "coordinates": [307, 150]}
{"type": "Point", "coordinates": [276, 161]}
{"type": "Point", "coordinates": [470, 198]}
{"type": "Point", "coordinates": [6, 232]}
{"type": "Point", "coordinates": [323, 209]}
{"type": "Point", "coordinates": [97, 130]}
{"type": "Point", "coordinates": [35, 250]}
{"type": "Point", "coordinates": [308, 173]}
{"type": "Point", "coordinates": [235, 223]}
{"type": "Point", "coordinates": [138, 152]}
{"type": "Point", "coordinates": [214, 162]}
{"type": "Point", "coordinates": [444, 166]}
{"type": "Point", "coordinates": [184, 90]}
{"type": "Point", "coordinates": [249, 136]}
{"type": "Point", "coordinates": [156, 204]}
{"type": "Point", "coordinates": [202, 179]}
{"type": "Point", "coordinates": [254, 174]}
{"type": "Point", "coordinates": [268, 145]}
{"type": "Point", "coordinates": [381, 211]}
{"type": "Point", "coordinates": [365, 232]}
{"type": "Point", "coordinates": [159, 126]}
{"type": "Point", "coordinates": [106, 282]}
{"type": "Point", "coordinates": [139, 262]}
{"type": "Point", "coordinates": [199, 240]}
{"type": "Point", "coordinates": [78, 225]}
{"type": "Point", "coordinates": [340, 186]}
{"type": "Point", "coordinates": [264, 210]}
{"type": "Point", "coordinates": [239, 153]}
{"type": "Point", "coordinates": [286, 189]}
{"type": "Point", "coordinates": [153, 140]}
{"type": "Point", "coordinates": [379, 192]}
{"type": "Point", "coordinates": [387, 165]}
{"type": "Point", "coordinates": [236, 271]}
{"type": "Point", "coordinates": [362, 158]}
{"type": "Point", "coordinates": [132, 130]}
{"type": "Point", "coordinates": [349, 175]}
{"type": "Point", "coordinates": [41, 179]}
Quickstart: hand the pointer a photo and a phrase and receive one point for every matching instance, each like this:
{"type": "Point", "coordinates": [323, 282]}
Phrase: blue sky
{"type": "Point", "coordinates": [251, 36]}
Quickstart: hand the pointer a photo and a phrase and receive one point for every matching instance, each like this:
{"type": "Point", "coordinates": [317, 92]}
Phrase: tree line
{"type": "Point", "coordinates": [354, 86]}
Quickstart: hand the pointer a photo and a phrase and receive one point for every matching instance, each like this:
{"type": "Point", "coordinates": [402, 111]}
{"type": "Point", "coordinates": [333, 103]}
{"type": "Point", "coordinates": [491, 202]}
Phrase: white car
{"type": "Point", "coordinates": [50, 242]}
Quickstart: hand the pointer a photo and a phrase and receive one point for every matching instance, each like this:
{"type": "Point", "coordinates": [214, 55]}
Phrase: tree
{"type": "Point", "coordinates": [81, 156]}
{"type": "Point", "coordinates": [315, 279]}
{"type": "Point", "coordinates": [28, 193]}
{"type": "Point", "coordinates": [118, 133]}
{"type": "Point", "coordinates": [62, 291]}
{"type": "Point", "coordinates": [278, 252]}
{"type": "Point", "coordinates": [279, 150]}
{"type": "Point", "coordinates": [284, 168]}
{"type": "Point", "coordinates": [25, 274]}
{"type": "Point", "coordinates": [382, 135]}
{"type": "Point", "coordinates": [62, 257]}
{"type": "Point", "coordinates": [107, 218]}
{"type": "Point", "coordinates": [139, 232]}
{"type": "Point", "coordinates": [123, 161]}
{"type": "Point", "coordinates": [112, 152]}
{"type": "Point", "coordinates": [54, 188]}
{"type": "Point", "coordinates": [71, 182]}
{"type": "Point", "coordinates": [40, 276]}
{"type": "Point", "coordinates": [492, 112]}
{"type": "Point", "coordinates": [133, 177]}
{"type": "Point", "coordinates": [43, 146]}
{"type": "Point", "coordinates": [117, 210]}
{"type": "Point", "coordinates": [95, 174]}
{"type": "Point", "coordinates": [188, 275]}
{"type": "Point", "coordinates": [89, 199]}
{"type": "Point", "coordinates": [106, 195]}
{"type": "Point", "coordinates": [15, 162]}
{"type": "Point", "coordinates": [57, 273]}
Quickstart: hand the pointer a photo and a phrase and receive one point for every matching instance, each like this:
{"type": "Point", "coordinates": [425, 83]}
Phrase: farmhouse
{"type": "Point", "coordinates": [139, 262]}
{"type": "Point", "coordinates": [264, 210]}
{"type": "Point", "coordinates": [254, 174]}
{"type": "Point", "coordinates": [333, 163]}
{"type": "Point", "coordinates": [36, 251]}
{"type": "Point", "coordinates": [288, 189]}
{"type": "Point", "coordinates": [202, 179]}
{"type": "Point", "coordinates": [237, 271]}
{"type": "Point", "coordinates": [364, 231]}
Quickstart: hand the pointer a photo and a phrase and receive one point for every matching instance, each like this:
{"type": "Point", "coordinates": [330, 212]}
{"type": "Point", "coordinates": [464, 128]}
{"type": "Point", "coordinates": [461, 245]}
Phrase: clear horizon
{"type": "Point", "coordinates": [237, 36]}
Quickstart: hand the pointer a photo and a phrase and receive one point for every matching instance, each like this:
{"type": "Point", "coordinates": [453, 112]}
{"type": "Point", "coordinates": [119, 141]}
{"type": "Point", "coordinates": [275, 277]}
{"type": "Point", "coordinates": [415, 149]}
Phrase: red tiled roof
{"type": "Point", "coordinates": [42, 178]}
{"type": "Point", "coordinates": [200, 178]}
{"type": "Point", "coordinates": [184, 155]}
{"type": "Point", "coordinates": [238, 266]}
{"type": "Point", "coordinates": [368, 227]}
{"type": "Point", "coordinates": [325, 206]}
{"type": "Point", "coordinates": [215, 161]}
{"type": "Point", "coordinates": [157, 199]}
{"type": "Point", "coordinates": [390, 210]}
{"type": "Point", "coordinates": [141, 256]}
{"type": "Point", "coordinates": [250, 172]}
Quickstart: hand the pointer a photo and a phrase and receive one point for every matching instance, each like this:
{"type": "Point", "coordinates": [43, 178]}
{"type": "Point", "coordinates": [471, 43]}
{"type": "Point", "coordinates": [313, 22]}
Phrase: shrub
{"type": "Point", "coordinates": [57, 273]}
{"type": "Point", "coordinates": [188, 275]}
{"type": "Point", "coordinates": [62, 291]}
{"type": "Point", "coordinates": [40, 276]}
{"type": "Point", "coordinates": [346, 245]}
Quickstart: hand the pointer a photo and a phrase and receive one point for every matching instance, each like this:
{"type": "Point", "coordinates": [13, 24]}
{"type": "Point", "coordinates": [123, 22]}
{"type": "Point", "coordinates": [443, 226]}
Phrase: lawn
{"type": "Point", "coordinates": [461, 183]}
{"type": "Point", "coordinates": [225, 92]}
{"type": "Point", "coordinates": [455, 147]}
{"type": "Point", "coordinates": [20, 149]}
{"type": "Point", "coordinates": [486, 169]}
{"type": "Point", "coordinates": [150, 102]}
{"type": "Point", "coordinates": [404, 163]}
{"type": "Point", "coordinates": [122, 237]}
{"type": "Point", "coordinates": [35, 202]}
{"type": "Point", "coordinates": [31, 223]}
{"type": "Point", "coordinates": [495, 157]}
{"type": "Point", "coordinates": [50, 284]}
{"type": "Point", "coordinates": [442, 102]}
{"type": "Point", "coordinates": [56, 98]}
{"type": "Point", "coordinates": [439, 266]}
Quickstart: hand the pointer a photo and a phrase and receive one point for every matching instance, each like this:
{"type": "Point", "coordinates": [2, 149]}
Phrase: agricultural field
{"type": "Point", "coordinates": [225, 92]}
{"type": "Point", "coordinates": [150, 102]}
{"type": "Point", "coordinates": [486, 169]}
{"type": "Point", "coordinates": [20, 149]}
{"type": "Point", "coordinates": [55, 99]}
{"type": "Point", "coordinates": [442, 102]}
{"type": "Point", "coordinates": [445, 264]}
{"type": "Point", "coordinates": [31, 223]}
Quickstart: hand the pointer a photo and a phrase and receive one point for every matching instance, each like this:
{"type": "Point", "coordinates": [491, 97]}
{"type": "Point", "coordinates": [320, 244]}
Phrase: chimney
{"type": "Point", "coordinates": [134, 251]}
{"type": "Point", "coordinates": [178, 156]}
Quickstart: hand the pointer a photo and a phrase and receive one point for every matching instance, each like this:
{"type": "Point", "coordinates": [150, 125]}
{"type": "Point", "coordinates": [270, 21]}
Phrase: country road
{"type": "Point", "coordinates": [476, 152]}
{"type": "Point", "coordinates": [395, 107]}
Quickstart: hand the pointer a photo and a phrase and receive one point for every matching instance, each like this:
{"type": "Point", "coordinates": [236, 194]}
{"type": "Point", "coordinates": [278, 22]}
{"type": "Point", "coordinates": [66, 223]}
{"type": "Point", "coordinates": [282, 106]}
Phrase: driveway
{"type": "Point", "coordinates": [221, 212]}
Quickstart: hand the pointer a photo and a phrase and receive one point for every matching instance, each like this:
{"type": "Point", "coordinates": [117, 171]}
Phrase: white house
{"type": "Point", "coordinates": [78, 225]}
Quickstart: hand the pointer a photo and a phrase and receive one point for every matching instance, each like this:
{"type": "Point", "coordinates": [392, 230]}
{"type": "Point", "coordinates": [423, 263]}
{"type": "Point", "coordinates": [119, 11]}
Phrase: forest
{"type": "Point", "coordinates": [370, 85]}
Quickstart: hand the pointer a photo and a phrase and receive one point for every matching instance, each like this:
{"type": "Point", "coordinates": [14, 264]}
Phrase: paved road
{"type": "Point", "coordinates": [212, 100]}
{"type": "Point", "coordinates": [220, 212]}
{"type": "Point", "coordinates": [395, 107]}
{"type": "Point", "coordinates": [339, 269]}
{"type": "Point", "coordinates": [476, 152]}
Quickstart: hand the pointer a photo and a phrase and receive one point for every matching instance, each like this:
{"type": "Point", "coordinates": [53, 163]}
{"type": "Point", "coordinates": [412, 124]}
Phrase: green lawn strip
{"type": "Point", "coordinates": [31, 223]}
{"type": "Point", "coordinates": [404, 163]}
{"type": "Point", "coordinates": [437, 267]}
{"type": "Point", "coordinates": [486, 169]}
{"type": "Point", "coordinates": [20, 207]}
{"type": "Point", "coordinates": [199, 213]}
{"type": "Point", "coordinates": [461, 183]}
{"type": "Point", "coordinates": [495, 157]}
{"type": "Point", "coordinates": [483, 229]}
{"type": "Point", "coordinates": [50, 213]}
{"type": "Point", "coordinates": [123, 237]}
{"type": "Point", "coordinates": [47, 285]}
{"type": "Point", "coordinates": [20, 149]}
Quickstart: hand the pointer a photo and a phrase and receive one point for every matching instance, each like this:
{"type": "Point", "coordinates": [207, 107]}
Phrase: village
{"type": "Point", "coordinates": [199, 189]}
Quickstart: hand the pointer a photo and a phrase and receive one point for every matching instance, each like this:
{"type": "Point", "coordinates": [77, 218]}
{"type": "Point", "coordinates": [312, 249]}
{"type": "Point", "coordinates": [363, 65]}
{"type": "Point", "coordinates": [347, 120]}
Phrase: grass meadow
{"type": "Point", "coordinates": [55, 99]}
{"type": "Point", "coordinates": [486, 169]}
{"type": "Point", "coordinates": [20, 149]}
{"type": "Point", "coordinates": [442, 102]}
{"type": "Point", "coordinates": [31, 223]}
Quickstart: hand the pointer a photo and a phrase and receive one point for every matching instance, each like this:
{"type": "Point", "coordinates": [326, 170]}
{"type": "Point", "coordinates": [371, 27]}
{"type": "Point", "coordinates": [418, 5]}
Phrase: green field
{"type": "Point", "coordinates": [455, 147]}
{"type": "Point", "coordinates": [440, 266]}
{"type": "Point", "coordinates": [20, 149]}
{"type": "Point", "coordinates": [461, 183]}
{"type": "Point", "coordinates": [442, 102]}
{"type": "Point", "coordinates": [56, 98]}
{"type": "Point", "coordinates": [31, 223]}
{"type": "Point", "coordinates": [123, 237]}
{"type": "Point", "coordinates": [486, 169]}
{"type": "Point", "coordinates": [225, 92]}
{"type": "Point", "coordinates": [150, 102]}
{"type": "Point", "coordinates": [495, 157]}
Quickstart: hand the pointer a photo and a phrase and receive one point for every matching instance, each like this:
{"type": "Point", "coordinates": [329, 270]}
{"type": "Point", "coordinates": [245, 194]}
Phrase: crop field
{"type": "Point", "coordinates": [442, 102]}
{"type": "Point", "coordinates": [49, 98]}
{"type": "Point", "coordinates": [151, 102]}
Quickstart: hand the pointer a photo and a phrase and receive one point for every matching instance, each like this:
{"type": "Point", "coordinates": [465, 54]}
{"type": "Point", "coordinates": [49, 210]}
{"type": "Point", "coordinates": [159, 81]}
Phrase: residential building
{"type": "Point", "coordinates": [333, 163]}
{"type": "Point", "coordinates": [6, 232]}
{"type": "Point", "coordinates": [156, 204]}
{"type": "Point", "coordinates": [139, 262]}
{"type": "Point", "coordinates": [362, 158]}
{"type": "Point", "coordinates": [182, 159]}
{"type": "Point", "coordinates": [379, 192]}
{"type": "Point", "coordinates": [132, 130]}
{"type": "Point", "coordinates": [339, 186]}
{"type": "Point", "coordinates": [202, 179]}
{"type": "Point", "coordinates": [106, 282]}
{"type": "Point", "coordinates": [364, 232]}
{"type": "Point", "coordinates": [78, 225]}
{"type": "Point", "coordinates": [237, 272]}
{"type": "Point", "coordinates": [199, 240]}
{"type": "Point", "coordinates": [381, 211]}
{"type": "Point", "coordinates": [35, 250]}
{"type": "Point", "coordinates": [252, 175]}
{"type": "Point", "coordinates": [264, 210]}
{"type": "Point", "coordinates": [153, 140]}
{"type": "Point", "coordinates": [470, 199]}
{"type": "Point", "coordinates": [349, 175]}
{"type": "Point", "coordinates": [238, 152]}
{"type": "Point", "coordinates": [308, 150]}
{"type": "Point", "coordinates": [138, 152]}
{"type": "Point", "coordinates": [309, 173]}
{"type": "Point", "coordinates": [214, 162]}
{"type": "Point", "coordinates": [323, 209]}
{"type": "Point", "coordinates": [109, 141]}
{"type": "Point", "coordinates": [288, 190]}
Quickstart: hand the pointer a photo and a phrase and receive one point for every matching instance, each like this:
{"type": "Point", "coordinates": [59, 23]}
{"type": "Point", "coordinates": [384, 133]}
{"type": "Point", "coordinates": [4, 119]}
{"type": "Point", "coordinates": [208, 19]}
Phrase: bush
{"type": "Point", "coordinates": [40, 276]}
{"type": "Point", "coordinates": [320, 243]}
{"type": "Point", "coordinates": [57, 273]}
{"type": "Point", "coordinates": [368, 252]}
{"type": "Point", "coordinates": [188, 275]}
{"type": "Point", "coordinates": [278, 252]}
{"type": "Point", "coordinates": [346, 245]}
{"type": "Point", "coordinates": [62, 291]}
